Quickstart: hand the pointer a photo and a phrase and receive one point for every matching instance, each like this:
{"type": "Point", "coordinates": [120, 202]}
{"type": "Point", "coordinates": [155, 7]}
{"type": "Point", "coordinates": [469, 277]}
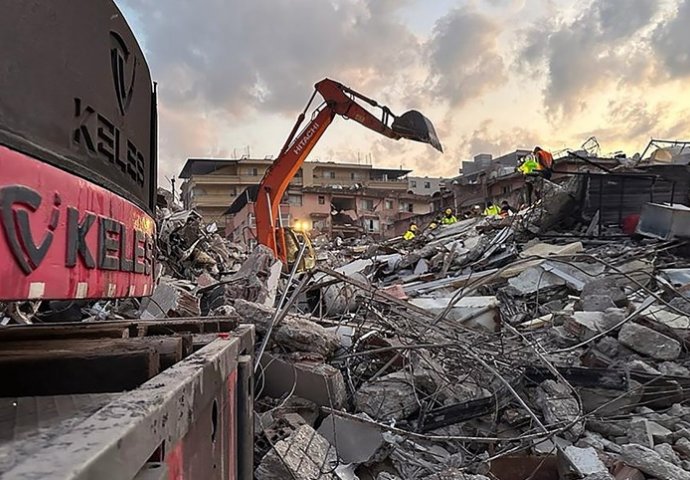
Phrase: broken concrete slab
{"type": "Point", "coordinates": [305, 454]}
{"type": "Point", "coordinates": [558, 404]}
{"type": "Point", "coordinates": [603, 286]}
{"type": "Point", "coordinates": [649, 342]}
{"type": "Point", "coordinates": [294, 333]}
{"type": "Point", "coordinates": [389, 397]}
{"type": "Point", "coordinates": [472, 312]}
{"type": "Point", "coordinates": [648, 433]}
{"type": "Point", "coordinates": [532, 280]}
{"type": "Point", "coordinates": [651, 463]}
{"type": "Point", "coordinates": [667, 453]}
{"type": "Point", "coordinates": [315, 381]}
{"type": "Point", "coordinates": [298, 334]}
{"type": "Point", "coordinates": [625, 472]}
{"type": "Point", "coordinates": [596, 303]}
{"type": "Point", "coordinates": [575, 462]}
{"type": "Point", "coordinates": [355, 442]}
{"type": "Point", "coordinates": [540, 250]}
{"type": "Point", "coordinates": [682, 445]}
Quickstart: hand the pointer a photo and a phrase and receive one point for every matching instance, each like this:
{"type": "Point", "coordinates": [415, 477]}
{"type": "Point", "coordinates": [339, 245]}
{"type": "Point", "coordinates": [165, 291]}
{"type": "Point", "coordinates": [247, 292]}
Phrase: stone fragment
{"type": "Point", "coordinates": [297, 334]}
{"type": "Point", "coordinates": [599, 476]}
{"type": "Point", "coordinates": [388, 397]}
{"type": "Point", "coordinates": [294, 333]}
{"type": "Point", "coordinates": [558, 404]}
{"type": "Point", "coordinates": [454, 474]}
{"type": "Point", "coordinates": [651, 463]}
{"type": "Point", "coordinates": [355, 442]}
{"type": "Point", "coordinates": [667, 453]}
{"type": "Point", "coordinates": [640, 366]}
{"type": "Point", "coordinates": [649, 342]}
{"type": "Point", "coordinates": [625, 472]}
{"type": "Point", "coordinates": [682, 445]}
{"type": "Point", "coordinates": [603, 286]}
{"type": "Point", "coordinates": [648, 433]}
{"type": "Point", "coordinates": [305, 454]}
{"type": "Point", "coordinates": [314, 381]}
{"type": "Point", "coordinates": [580, 461]}
{"type": "Point", "coordinates": [609, 346]}
{"type": "Point", "coordinates": [596, 303]}
{"type": "Point", "coordinates": [387, 476]}
{"type": "Point", "coordinates": [673, 369]}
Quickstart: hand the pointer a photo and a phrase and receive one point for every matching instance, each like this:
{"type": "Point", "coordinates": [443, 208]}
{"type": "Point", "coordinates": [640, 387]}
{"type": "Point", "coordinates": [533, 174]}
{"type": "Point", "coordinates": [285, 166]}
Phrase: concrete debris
{"type": "Point", "coordinates": [559, 405]}
{"type": "Point", "coordinates": [355, 442]}
{"type": "Point", "coordinates": [305, 455]}
{"type": "Point", "coordinates": [441, 357]}
{"type": "Point", "coordinates": [577, 462]}
{"type": "Point", "coordinates": [391, 397]}
{"type": "Point", "coordinates": [651, 463]}
{"type": "Point", "coordinates": [649, 342]}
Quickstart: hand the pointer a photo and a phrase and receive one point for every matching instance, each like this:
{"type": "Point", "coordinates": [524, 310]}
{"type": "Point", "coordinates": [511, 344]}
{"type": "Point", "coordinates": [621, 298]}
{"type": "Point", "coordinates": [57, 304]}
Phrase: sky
{"type": "Point", "coordinates": [491, 75]}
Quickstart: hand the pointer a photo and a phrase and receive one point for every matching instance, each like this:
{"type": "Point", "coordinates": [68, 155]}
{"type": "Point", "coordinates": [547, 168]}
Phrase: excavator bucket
{"type": "Point", "coordinates": [415, 126]}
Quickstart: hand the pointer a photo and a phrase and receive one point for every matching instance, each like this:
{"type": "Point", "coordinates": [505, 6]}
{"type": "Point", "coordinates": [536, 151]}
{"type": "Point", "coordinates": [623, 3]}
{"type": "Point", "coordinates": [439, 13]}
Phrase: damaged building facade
{"type": "Point", "coordinates": [335, 199]}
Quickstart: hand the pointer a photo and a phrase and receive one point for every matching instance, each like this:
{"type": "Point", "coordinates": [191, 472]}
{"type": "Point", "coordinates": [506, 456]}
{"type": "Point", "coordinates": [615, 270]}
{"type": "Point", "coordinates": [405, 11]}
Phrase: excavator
{"type": "Point", "coordinates": [337, 100]}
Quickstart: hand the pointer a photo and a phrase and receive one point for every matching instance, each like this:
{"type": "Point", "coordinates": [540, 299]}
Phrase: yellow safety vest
{"type": "Point", "coordinates": [492, 210]}
{"type": "Point", "coordinates": [409, 235]}
{"type": "Point", "coordinates": [528, 166]}
{"type": "Point", "coordinates": [449, 220]}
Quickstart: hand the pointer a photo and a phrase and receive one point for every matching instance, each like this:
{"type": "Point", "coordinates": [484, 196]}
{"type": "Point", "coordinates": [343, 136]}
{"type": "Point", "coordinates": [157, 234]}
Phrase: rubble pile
{"type": "Point", "coordinates": [508, 348]}
{"type": "Point", "coordinates": [487, 349]}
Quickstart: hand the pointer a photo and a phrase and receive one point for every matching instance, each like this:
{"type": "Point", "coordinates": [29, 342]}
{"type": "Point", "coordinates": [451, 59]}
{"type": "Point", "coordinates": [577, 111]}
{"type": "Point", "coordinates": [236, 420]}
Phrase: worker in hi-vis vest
{"type": "Point", "coordinates": [411, 232]}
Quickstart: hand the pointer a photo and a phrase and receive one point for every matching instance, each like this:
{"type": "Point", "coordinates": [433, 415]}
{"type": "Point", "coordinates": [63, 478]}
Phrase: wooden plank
{"type": "Point", "coordinates": [80, 330]}
{"type": "Point", "coordinates": [75, 373]}
{"type": "Point", "coordinates": [205, 325]}
{"type": "Point", "coordinates": [171, 349]}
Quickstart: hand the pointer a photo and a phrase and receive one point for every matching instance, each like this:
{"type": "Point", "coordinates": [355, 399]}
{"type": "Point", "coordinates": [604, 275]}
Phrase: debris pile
{"type": "Point", "coordinates": [493, 348]}
{"type": "Point", "coordinates": [488, 349]}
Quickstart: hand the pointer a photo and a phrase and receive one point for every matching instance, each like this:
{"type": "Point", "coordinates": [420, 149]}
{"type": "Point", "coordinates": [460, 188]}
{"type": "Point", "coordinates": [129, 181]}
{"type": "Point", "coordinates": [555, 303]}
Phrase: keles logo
{"type": "Point", "coordinates": [15, 223]}
{"type": "Point", "coordinates": [122, 61]}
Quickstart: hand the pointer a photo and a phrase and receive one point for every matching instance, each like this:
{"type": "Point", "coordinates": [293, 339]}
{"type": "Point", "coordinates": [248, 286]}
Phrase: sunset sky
{"type": "Point", "coordinates": [492, 75]}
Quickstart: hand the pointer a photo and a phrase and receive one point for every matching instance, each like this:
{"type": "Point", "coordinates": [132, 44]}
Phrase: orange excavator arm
{"type": "Point", "coordinates": [338, 100]}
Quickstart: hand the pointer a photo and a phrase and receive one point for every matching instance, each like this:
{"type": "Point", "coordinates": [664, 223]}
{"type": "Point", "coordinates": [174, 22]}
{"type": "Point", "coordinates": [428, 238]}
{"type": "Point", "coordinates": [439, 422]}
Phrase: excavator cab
{"type": "Point", "coordinates": [293, 242]}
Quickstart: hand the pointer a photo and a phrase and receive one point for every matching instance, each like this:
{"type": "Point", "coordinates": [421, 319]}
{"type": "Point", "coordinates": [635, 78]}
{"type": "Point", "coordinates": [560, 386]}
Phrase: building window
{"type": "Point", "coordinates": [506, 189]}
{"type": "Point", "coordinates": [354, 176]}
{"type": "Point", "coordinates": [329, 174]}
{"type": "Point", "coordinates": [427, 185]}
{"type": "Point", "coordinates": [372, 225]}
{"type": "Point", "coordinates": [251, 220]}
{"type": "Point", "coordinates": [413, 184]}
{"type": "Point", "coordinates": [368, 205]}
{"type": "Point", "coordinates": [254, 172]}
{"type": "Point", "coordinates": [295, 200]}
{"type": "Point", "coordinates": [389, 204]}
{"type": "Point", "coordinates": [285, 219]}
{"type": "Point", "coordinates": [252, 244]}
{"type": "Point", "coordinates": [406, 207]}
{"type": "Point", "coordinates": [298, 174]}
{"type": "Point", "coordinates": [322, 200]}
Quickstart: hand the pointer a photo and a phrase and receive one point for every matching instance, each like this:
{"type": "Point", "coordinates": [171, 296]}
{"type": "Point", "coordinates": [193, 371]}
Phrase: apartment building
{"type": "Point", "coordinates": [425, 185]}
{"type": "Point", "coordinates": [211, 186]}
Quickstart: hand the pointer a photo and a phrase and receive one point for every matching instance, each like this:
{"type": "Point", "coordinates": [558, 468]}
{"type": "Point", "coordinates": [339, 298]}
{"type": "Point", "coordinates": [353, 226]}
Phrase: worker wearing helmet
{"type": "Point", "coordinates": [449, 218]}
{"type": "Point", "coordinates": [411, 232]}
{"type": "Point", "coordinates": [492, 210]}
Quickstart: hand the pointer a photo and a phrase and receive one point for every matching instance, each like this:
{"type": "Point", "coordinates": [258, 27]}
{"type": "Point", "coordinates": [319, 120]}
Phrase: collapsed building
{"type": "Point", "coordinates": [550, 344]}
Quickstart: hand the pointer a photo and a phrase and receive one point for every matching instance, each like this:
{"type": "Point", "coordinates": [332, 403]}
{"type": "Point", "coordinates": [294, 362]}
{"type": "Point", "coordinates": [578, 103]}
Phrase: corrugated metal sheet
{"type": "Point", "coordinates": [619, 195]}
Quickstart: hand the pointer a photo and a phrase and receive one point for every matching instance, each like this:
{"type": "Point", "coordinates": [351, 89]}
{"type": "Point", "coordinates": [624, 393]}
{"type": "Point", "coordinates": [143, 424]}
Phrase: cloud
{"type": "Point", "coordinates": [235, 55]}
{"type": "Point", "coordinates": [487, 138]}
{"type": "Point", "coordinates": [463, 57]}
{"type": "Point", "coordinates": [671, 41]}
{"type": "Point", "coordinates": [600, 47]}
